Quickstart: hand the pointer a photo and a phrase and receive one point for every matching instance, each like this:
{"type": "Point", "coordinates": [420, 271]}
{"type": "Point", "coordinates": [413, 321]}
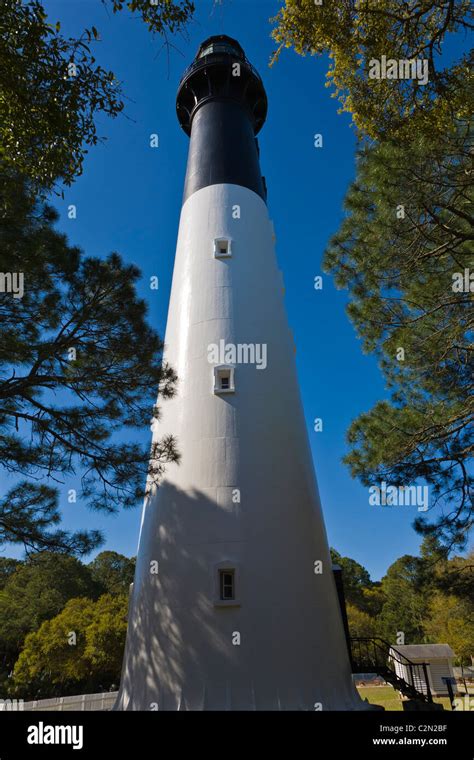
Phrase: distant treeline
{"type": "Point", "coordinates": [63, 623]}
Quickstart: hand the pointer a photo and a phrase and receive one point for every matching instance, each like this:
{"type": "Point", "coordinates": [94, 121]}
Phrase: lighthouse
{"type": "Point", "coordinates": [234, 604]}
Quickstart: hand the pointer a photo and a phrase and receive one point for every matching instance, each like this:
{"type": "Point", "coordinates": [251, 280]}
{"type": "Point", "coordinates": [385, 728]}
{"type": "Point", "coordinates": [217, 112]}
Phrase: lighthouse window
{"type": "Point", "coordinates": [222, 248]}
{"type": "Point", "coordinates": [224, 380]}
{"type": "Point", "coordinates": [227, 585]}
{"type": "Point", "coordinates": [219, 47]}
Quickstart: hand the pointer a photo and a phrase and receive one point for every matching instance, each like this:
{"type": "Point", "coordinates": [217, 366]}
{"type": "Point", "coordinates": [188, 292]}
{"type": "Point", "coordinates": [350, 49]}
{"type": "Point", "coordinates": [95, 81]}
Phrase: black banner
{"type": "Point", "coordinates": [378, 734]}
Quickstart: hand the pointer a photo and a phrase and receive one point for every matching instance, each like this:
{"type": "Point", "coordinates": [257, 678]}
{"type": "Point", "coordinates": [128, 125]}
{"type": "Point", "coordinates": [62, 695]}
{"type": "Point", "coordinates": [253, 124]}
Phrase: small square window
{"type": "Point", "coordinates": [226, 585]}
{"type": "Point", "coordinates": [222, 248]}
{"type": "Point", "coordinates": [224, 380]}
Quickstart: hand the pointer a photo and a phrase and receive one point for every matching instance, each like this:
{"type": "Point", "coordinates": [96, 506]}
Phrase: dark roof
{"type": "Point", "coordinates": [424, 651]}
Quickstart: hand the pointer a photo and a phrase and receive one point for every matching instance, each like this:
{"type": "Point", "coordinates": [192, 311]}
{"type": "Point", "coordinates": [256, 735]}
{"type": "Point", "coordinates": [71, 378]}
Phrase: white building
{"type": "Point", "coordinates": [439, 666]}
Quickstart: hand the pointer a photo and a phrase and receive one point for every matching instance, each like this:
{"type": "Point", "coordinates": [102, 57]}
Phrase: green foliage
{"type": "Point", "coordinates": [7, 567]}
{"type": "Point", "coordinates": [47, 115]}
{"type": "Point", "coordinates": [59, 414]}
{"type": "Point", "coordinates": [36, 591]}
{"type": "Point", "coordinates": [457, 577]}
{"type": "Point", "coordinates": [105, 637]}
{"type": "Point", "coordinates": [407, 232]}
{"type": "Point", "coordinates": [354, 33]}
{"type": "Point", "coordinates": [113, 572]}
{"type": "Point", "coordinates": [451, 620]}
{"type": "Point", "coordinates": [406, 606]}
{"type": "Point", "coordinates": [52, 89]}
{"type": "Point", "coordinates": [429, 599]}
{"type": "Point", "coordinates": [355, 578]}
{"type": "Point", "coordinates": [90, 661]}
{"type": "Point", "coordinates": [399, 272]}
{"type": "Point", "coordinates": [161, 16]}
{"type": "Point", "coordinates": [373, 599]}
{"type": "Point", "coordinates": [29, 515]}
{"type": "Point", "coordinates": [48, 657]}
{"type": "Point", "coordinates": [361, 624]}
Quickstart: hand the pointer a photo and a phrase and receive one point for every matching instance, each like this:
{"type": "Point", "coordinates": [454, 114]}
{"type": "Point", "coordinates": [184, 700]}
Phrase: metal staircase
{"type": "Point", "coordinates": [375, 655]}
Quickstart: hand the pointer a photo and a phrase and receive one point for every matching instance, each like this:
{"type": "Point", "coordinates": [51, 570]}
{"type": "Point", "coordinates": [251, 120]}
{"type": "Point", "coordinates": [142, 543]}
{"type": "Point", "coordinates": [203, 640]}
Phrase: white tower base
{"type": "Point", "coordinates": [243, 498]}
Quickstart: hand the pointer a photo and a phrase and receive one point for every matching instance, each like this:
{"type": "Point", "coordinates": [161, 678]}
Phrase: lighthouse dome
{"type": "Point", "coordinates": [220, 44]}
{"type": "Point", "coordinates": [221, 70]}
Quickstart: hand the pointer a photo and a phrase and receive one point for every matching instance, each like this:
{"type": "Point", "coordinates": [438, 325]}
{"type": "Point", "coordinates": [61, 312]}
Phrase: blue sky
{"type": "Point", "coordinates": [128, 200]}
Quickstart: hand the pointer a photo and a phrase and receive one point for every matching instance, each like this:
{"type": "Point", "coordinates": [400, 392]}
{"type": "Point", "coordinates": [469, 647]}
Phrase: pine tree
{"type": "Point", "coordinates": [78, 365]}
{"type": "Point", "coordinates": [406, 238]}
{"type": "Point", "coordinates": [405, 248]}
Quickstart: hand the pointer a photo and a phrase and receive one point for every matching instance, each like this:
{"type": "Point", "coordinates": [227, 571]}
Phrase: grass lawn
{"type": "Point", "coordinates": [388, 698]}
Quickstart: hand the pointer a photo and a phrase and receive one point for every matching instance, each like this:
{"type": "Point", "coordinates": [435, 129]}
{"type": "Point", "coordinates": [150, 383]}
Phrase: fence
{"type": "Point", "coordinates": [81, 702]}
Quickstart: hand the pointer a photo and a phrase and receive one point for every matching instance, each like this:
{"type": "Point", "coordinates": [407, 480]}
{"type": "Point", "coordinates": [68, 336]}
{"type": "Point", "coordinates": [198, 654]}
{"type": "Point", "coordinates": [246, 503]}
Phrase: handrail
{"type": "Point", "coordinates": [389, 647]}
{"type": "Point", "coordinates": [201, 63]}
{"type": "Point", "coordinates": [378, 653]}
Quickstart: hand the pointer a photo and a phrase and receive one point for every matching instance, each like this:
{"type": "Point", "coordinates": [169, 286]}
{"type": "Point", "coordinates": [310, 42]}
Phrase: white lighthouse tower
{"type": "Point", "coordinates": [234, 604]}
